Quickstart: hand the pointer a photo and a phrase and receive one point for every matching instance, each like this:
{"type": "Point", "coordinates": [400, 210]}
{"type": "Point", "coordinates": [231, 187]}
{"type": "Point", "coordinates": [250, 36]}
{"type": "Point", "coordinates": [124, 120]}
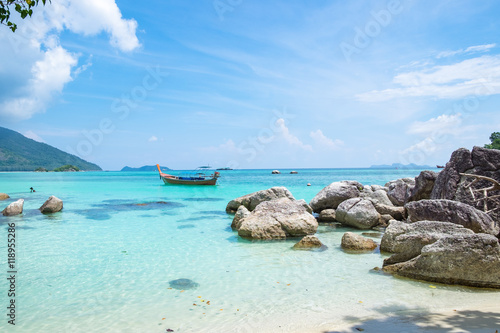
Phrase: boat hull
{"type": "Point", "coordinates": [201, 180]}
{"type": "Point", "coordinates": [175, 181]}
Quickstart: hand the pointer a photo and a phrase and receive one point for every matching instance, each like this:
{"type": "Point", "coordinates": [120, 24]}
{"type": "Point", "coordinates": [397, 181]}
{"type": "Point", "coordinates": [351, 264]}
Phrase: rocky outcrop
{"type": "Point", "coordinates": [400, 190]}
{"type": "Point", "coordinates": [378, 196]}
{"type": "Point", "coordinates": [305, 205]}
{"type": "Point", "coordinates": [352, 241]}
{"type": "Point", "coordinates": [406, 240]}
{"type": "Point", "coordinates": [275, 172]}
{"type": "Point", "coordinates": [424, 183]}
{"type": "Point", "coordinates": [308, 242]}
{"type": "Point", "coordinates": [52, 205]}
{"type": "Point", "coordinates": [451, 211]}
{"type": "Point", "coordinates": [470, 260]}
{"type": "Point", "coordinates": [358, 213]}
{"type": "Point", "coordinates": [250, 201]}
{"type": "Point", "coordinates": [327, 215]}
{"type": "Point", "coordinates": [332, 195]}
{"type": "Point", "coordinates": [397, 213]}
{"type": "Point", "coordinates": [241, 213]}
{"type": "Point", "coordinates": [278, 219]}
{"type": "Point", "coordinates": [4, 196]}
{"type": "Point", "coordinates": [14, 208]}
{"type": "Point", "coordinates": [452, 186]}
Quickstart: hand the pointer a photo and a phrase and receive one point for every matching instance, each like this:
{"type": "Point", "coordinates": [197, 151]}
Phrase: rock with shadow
{"type": "Point", "coordinates": [469, 260]}
{"type": "Point", "coordinates": [277, 219]}
{"type": "Point", "coordinates": [250, 201]}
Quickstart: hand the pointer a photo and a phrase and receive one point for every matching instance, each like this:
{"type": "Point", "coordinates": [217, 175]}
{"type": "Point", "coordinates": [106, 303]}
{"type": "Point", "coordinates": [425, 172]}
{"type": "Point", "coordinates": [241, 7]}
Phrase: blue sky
{"type": "Point", "coordinates": [254, 84]}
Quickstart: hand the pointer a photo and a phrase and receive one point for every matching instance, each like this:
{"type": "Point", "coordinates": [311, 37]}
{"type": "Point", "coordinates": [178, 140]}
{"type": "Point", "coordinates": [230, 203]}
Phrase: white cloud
{"type": "Point", "coordinates": [91, 17]}
{"type": "Point", "coordinates": [153, 139]}
{"type": "Point", "coordinates": [322, 140]}
{"type": "Point", "coordinates": [444, 124]}
{"type": "Point", "coordinates": [478, 76]}
{"type": "Point", "coordinates": [427, 146]}
{"type": "Point", "coordinates": [32, 135]}
{"type": "Point", "coordinates": [35, 63]}
{"type": "Point", "coordinates": [49, 75]}
{"type": "Point", "coordinates": [290, 138]}
{"type": "Point", "coordinates": [470, 49]}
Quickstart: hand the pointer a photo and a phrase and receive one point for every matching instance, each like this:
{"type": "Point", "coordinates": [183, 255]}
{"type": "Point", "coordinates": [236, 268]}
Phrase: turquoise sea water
{"type": "Point", "coordinates": [104, 263]}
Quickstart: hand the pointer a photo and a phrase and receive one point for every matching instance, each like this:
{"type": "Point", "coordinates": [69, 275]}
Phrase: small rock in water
{"type": "Point", "coordinates": [183, 284]}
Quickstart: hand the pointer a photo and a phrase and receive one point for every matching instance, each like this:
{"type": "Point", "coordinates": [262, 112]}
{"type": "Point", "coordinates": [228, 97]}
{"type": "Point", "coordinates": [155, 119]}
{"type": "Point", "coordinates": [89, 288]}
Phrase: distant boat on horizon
{"type": "Point", "coordinates": [199, 177]}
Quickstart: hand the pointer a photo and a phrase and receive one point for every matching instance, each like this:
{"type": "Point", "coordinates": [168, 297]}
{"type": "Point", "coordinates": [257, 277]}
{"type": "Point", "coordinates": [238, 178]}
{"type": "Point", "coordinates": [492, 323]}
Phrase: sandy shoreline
{"type": "Point", "coordinates": [483, 319]}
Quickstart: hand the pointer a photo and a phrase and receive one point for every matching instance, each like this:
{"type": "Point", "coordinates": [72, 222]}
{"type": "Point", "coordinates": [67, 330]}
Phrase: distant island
{"type": "Point", "coordinates": [19, 153]}
{"type": "Point", "coordinates": [400, 166]}
{"type": "Point", "coordinates": [145, 168]}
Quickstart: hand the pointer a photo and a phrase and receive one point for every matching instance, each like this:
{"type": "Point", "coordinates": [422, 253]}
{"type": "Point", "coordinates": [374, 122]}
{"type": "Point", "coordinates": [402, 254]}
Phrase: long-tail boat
{"type": "Point", "coordinates": [199, 177]}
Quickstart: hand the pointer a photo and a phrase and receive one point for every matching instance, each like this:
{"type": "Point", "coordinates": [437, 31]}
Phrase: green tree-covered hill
{"type": "Point", "coordinates": [18, 153]}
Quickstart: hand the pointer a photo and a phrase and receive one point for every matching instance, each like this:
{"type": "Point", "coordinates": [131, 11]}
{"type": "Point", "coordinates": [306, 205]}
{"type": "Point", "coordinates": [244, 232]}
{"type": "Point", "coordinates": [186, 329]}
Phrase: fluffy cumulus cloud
{"type": "Point", "coordinates": [478, 76]}
{"type": "Point", "coordinates": [35, 67]}
{"type": "Point", "coordinates": [435, 134]}
{"type": "Point", "coordinates": [289, 137]}
{"type": "Point", "coordinates": [325, 141]}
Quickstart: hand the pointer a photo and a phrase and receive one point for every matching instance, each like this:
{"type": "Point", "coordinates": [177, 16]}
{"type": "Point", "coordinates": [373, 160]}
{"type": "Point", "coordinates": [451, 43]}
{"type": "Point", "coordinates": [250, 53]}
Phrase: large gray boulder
{"type": "Point", "coordinates": [241, 213]}
{"type": "Point", "coordinates": [14, 208]}
{"type": "Point", "coordinates": [424, 183]}
{"type": "Point", "coordinates": [4, 196]}
{"type": "Point", "coordinates": [52, 205]}
{"type": "Point", "coordinates": [470, 260]}
{"type": "Point", "coordinates": [308, 242]}
{"type": "Point", "coordinates": [278, 219]}
{"type": "Point", "coordinates": [451, 211]}
{"type": "Point", "coordinates": [352, 241]}
{"type": "Point", "coordinates": [378, 196]}
{"type": "Point", "coordinates": [332, 195]}
{"type": "Point", "coordinates": [358, 213]}
{"type": "Point", "coordinates": [406, 240]}
{"type": "Point", "coordinates": [250, 201]}
{"type": "Point", "coordinates": [400, 190]}
{"type": "Point", "coordinates": [396, 212]}
{"type": "Point", "coordinates": [452, 186]}
{"type": "Point", "coordinates": [327, 215]}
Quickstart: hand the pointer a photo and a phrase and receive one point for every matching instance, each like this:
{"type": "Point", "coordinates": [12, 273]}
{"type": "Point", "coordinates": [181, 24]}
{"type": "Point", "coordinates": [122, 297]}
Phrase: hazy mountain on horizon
{"type": "Point", "coordinates": [19, 153]}
{"type": "Point", "coordinates": [145, 168]}
{"type": "Point", "coordinates": [400, 166]}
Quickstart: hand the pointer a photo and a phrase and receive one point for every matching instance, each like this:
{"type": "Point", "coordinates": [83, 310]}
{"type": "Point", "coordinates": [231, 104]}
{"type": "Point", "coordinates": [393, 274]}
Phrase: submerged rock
{"type": "Point", "coordinates": [352, 241]}
{"type": "Point", "coordinates": [250, 201]}
{"type": "Point", "coordinates": [4, 196]}
{"type": "Point", "coordinates": [334, 194]}
{"type": "Point", "coordinates": [183, 284]}
{"type": "Point", "coordinates": [308, 242]}
{"type": "Point", "coordinates": [278, 219]}
{"type": "Point", "coordinates": [469, 260]}
{"type": "Point", "coordinates": [358, 213]}
{"type": "Point", "coordinates": [14, 208]}
{"type": "Point", "coordinates": [451, 211]}
{"type": "Point", "coordinates": [52, 205]}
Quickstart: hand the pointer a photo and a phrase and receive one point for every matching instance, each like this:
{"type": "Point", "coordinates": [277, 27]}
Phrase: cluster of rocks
{"type": "Point", "coordinates": [52, 205]}
{"type": "Point", "coordinates": [440, 227]}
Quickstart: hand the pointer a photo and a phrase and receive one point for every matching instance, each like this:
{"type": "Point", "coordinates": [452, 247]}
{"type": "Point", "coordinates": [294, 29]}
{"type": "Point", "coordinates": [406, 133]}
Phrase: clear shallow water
{"type": "Point", "coordinates": [104, 263]}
